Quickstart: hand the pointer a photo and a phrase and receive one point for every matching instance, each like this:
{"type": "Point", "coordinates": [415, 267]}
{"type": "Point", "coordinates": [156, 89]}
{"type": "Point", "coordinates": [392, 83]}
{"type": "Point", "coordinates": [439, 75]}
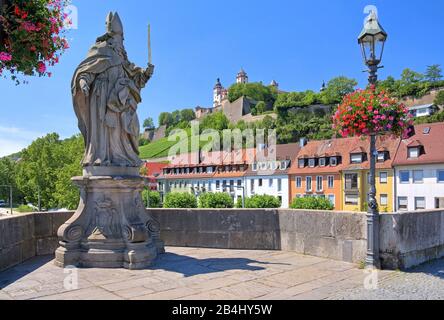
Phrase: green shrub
{"type": "Point", "coordinates": [180, 200]}
{"type": "Point", "coordinates": [260, 202]}
{"type": "Point", "coordinates": [151, 199]}
{"type": "Point", "coordinates": [439, 100]}
{"type": "Point", "coordinates": [24, 209]}
{"type": "Point", "coordinates": [217, 200]}
{"type": "Point", "coordinates": [312, 203]}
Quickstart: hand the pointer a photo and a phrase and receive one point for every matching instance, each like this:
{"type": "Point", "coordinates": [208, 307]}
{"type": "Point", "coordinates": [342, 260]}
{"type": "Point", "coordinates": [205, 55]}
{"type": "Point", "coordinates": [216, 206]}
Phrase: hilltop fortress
{"type": "Point", "coordinates": [237, 110]}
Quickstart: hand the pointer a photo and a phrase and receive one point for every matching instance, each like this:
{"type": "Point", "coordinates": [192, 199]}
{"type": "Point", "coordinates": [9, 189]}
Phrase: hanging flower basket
{"type": "Point", "coordinates": [31, 36]}
{"type": "Point", "coordinates": [367, 112]}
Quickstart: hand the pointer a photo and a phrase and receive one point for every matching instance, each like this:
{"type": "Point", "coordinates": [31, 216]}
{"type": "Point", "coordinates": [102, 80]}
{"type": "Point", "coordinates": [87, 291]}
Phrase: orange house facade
{"type": "Point", "coordinates": [317, 172]}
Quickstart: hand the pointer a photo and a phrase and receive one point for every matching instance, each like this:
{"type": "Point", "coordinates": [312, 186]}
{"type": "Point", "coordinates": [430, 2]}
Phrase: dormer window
{"type": "Point", "coordinates": [414, 152]}
{"type": "Point", "coordinates": [333, 161]}
{"type": "Point", "coordinates": [301, 163]}
{"type": "Point", "coordinates": [381, 156]}
{"type": "Point", "coordinates": [284, 165]}
{"type": "Point", "coordinates": [356, 158]}
{"type": "Point", "coordinates": [322, 162]}
{"type": "Point", "coordinates": [274, 165]}
{"type": "Point", "coordinates": [311, 163]}
{"type": "Point", "coordinates": [254, 166]}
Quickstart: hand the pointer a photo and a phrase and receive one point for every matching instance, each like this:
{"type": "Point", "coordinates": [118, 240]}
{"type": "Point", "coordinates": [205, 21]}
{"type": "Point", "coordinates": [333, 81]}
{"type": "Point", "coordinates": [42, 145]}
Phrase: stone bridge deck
{"type": "Point", "coordinates": [191, 273]}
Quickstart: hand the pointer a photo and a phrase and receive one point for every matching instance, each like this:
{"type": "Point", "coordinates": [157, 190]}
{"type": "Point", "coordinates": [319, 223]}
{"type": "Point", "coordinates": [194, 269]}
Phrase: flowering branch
{"type": "Point", "coordinates": [366, 112]}
{"type": "Point", "coordinates": [33, 36]}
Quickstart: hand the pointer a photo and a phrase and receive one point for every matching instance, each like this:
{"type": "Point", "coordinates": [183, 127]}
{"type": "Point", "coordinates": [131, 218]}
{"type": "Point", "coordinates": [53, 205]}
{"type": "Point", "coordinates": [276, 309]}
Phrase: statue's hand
{"type": "Point", "coordinates": [149, 71]}
{"type": "Point", "coordinates": [84, 87]}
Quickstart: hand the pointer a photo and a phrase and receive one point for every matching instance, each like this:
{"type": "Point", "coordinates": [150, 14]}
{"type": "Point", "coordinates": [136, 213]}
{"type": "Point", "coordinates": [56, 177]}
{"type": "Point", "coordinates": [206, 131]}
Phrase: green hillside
{"type": "Point", "coordinates": [160, 148]}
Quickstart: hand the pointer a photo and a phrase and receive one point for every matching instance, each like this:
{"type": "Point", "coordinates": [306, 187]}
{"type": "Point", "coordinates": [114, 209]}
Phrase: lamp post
{"type": "Point", "coordinates": [372, 40]}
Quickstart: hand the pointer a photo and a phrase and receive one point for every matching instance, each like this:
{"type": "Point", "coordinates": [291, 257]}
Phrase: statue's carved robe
{"type": "Point", "coordinates": [107, 117]}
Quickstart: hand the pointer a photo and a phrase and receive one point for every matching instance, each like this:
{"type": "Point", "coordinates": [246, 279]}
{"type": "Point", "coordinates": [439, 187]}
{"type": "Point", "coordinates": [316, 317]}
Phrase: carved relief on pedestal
{"type": "Point", "coordinates": [105, 222]}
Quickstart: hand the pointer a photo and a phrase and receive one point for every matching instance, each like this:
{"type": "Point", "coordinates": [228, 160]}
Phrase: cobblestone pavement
{"type": "Point", "coordinates": [189, 273]}
{"type": "Point", "coordinates": [425, 282]}
{"type": "Point", "coordinates": [213, 274]}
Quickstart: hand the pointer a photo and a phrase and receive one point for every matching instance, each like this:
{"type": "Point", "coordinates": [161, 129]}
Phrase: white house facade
{"type": "Point", "coordinates": [273, 185]}
{"type": "Point", "coordinates": [419, 187]}
{"type": "Point", "coordinates": [419, 169]}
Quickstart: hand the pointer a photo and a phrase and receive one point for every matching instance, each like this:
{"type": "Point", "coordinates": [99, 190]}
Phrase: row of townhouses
{"type": "Point", "coordinates": [409, 175]}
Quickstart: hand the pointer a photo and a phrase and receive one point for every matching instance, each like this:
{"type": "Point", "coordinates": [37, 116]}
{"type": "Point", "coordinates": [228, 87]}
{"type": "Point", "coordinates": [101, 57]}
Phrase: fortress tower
{"type": "Point", "coordinates": [242, 77]}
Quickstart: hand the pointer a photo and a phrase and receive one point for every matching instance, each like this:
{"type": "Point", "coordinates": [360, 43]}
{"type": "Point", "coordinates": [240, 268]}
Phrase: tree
{"type": "Point", "coordinates": [66, 195]}
{"type": "Point", "coordinates": [433, 73]}
{"type": "Point", "coordinates": [48, 165]}
{"type": "Point", "coordinates": [148, 123]}
{"type": "Point", "coordinates": [216, 121]}
{"type": "Point", "coordinates": [256, 91]}
{"type": "Point", "coordinates": [389, 85]}
{"type": "Point", "coordinates": [409, 76]}
{"type": "Point", "coordinates": [439, 100]}
{"type": "Point", "coordinates": [337, 88]}
{"type": "Point", "coordinates": [216, 200]}
{"type": "Point", "coordinates": [165, 119]}
{"type": "Point", "coordinates": [37, 171]}
{"type": "Point", "coordinates": [187, 115]}
{"type": "Point", "coordinates": [261, 107]}
{"type": "Point", "coordinates": [296, 124]}
{"type": "Point", "coordinates": [180, 200]}
{"type": "Point", "coordinates": [7, 178]}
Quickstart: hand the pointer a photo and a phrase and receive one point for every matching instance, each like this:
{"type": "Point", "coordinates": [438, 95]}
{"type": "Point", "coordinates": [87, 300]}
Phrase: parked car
{"type": "Point", "coordinates": [2, 204]}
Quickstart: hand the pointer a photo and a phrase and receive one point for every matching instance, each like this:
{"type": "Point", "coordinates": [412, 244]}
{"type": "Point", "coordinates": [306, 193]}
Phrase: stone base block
{"type": "Point", "coordinates": [111, 228]}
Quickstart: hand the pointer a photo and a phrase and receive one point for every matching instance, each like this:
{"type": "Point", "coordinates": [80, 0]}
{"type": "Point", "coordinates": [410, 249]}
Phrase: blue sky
{"type": "Point", "coordinates": [297, 43]}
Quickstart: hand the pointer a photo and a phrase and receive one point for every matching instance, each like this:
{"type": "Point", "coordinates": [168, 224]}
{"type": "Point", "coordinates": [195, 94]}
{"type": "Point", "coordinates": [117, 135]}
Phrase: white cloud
{"type": "Point", "coordinates": [13, 139]}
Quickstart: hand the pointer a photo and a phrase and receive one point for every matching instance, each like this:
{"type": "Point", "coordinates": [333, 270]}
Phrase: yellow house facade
{"type": "Point", "coordinates": [355, 175]}
{"type": "Point", "coordinates": [355, 189]}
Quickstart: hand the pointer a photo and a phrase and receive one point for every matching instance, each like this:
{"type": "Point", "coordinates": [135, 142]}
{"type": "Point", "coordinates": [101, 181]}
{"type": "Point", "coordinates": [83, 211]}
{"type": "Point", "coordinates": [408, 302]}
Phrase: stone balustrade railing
{"type": "Point", "coordinates": [406, 239]}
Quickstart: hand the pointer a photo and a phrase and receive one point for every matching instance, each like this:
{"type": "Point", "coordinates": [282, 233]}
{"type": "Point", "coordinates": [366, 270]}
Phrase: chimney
{"type": "Point", "coordinates": [303, 142]}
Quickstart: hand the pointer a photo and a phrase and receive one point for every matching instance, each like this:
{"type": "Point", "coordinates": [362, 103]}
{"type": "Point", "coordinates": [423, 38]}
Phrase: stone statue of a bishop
{"type": "Point", "coordinates": [111, 227]}
{"type": "Point", "coordinates": [106, 91]}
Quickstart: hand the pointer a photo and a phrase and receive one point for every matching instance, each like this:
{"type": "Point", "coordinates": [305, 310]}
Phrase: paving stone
{"type": "Point", "coordinates": [248, 290]}
{"type": "Point", "coordinates": [83, 294]}
{"type": "Point", "coordinates": [4, 296]}
{"type": "Point", "coordinates": [133, 292]}
{"type": "Point", "coordinates": [168, 295]}
{"type": "Point", "coordinates": [212, 284]}
{"type": "Point", "coordinates": [128, 284]}
{"type": "Point", "coordinates": [212, 295]}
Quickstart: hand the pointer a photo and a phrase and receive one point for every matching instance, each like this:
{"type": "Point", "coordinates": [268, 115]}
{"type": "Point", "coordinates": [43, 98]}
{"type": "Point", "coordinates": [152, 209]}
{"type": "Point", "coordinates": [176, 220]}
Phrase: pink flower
{"type": "Point", "coordinates": [29, 26]}
{"type": "Point", "coordinates": [41, 67]}
{"type": "Point", "coordinates": [4, 56]}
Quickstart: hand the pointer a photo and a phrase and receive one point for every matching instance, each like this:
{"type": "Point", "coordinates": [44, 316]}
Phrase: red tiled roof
{"type": "Point", "coordinates": [358, 150]}
{"type": "Point", "coordinates": [387, 143]}
{"type": "Point", "coordinates": [155, 168]}
{"type": "Point", "coordinates": [415, 143]}
{"type": "Point", "coordinates": [283, 152]}
{"type": "Point", "coordinates": [343, 148]}
{"type": "Point", "coordinates": [433, 146]}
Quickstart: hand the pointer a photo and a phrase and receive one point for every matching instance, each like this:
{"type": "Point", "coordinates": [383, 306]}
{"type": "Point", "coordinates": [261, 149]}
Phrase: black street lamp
{"type": "Point", "coordinates": [372, 40]}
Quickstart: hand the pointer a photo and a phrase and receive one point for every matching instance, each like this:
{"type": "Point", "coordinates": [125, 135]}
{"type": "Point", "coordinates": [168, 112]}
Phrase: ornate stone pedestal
{"type": "Point", "coordinates": [111, 228]}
